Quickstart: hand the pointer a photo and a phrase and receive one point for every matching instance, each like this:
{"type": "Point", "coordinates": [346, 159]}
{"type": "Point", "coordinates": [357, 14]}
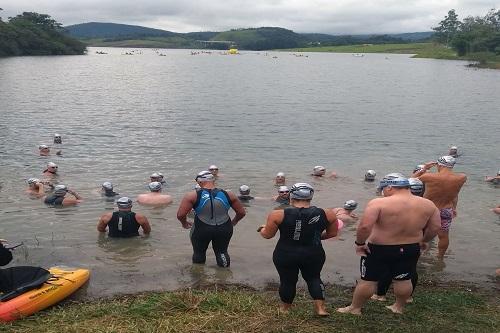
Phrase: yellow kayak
{"type": "Point", "coordinates": [63, 282]}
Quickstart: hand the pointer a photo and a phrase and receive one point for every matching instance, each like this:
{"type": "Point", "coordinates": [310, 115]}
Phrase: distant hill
{"type": "Point", "coordinates": [265, 38]}
{"type": "Point", "coordinates": [111, 30]}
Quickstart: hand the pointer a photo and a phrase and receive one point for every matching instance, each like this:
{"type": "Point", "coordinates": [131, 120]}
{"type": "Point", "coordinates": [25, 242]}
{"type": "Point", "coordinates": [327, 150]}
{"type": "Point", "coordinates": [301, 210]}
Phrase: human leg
{"type": "Point", "coordinates": [364, 290]}
{"type": "Point", "coordinates": [220, 242]}
{"type": "Point", "coordinates": [402, 291]}
{"type": "Point", "coordinates": [288, 271]}
{"type": "Point", "coordinates": [443, 234]}
{"type": "Point", "coordinates": [200, 238]}
{"type": "Point", "coordinates": [310, 268]}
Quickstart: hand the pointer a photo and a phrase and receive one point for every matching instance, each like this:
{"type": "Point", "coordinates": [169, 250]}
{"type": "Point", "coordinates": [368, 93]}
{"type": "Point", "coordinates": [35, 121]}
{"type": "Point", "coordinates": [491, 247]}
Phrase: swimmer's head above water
{"type": "Point", "coordinates": [350, 205]}
{"type": "Point", "coordinates": [154, 186]}
{"type": "Point", "coordinates": [60, 190]}
{"type": "Point", "coordinates": [319, 170]}
{"type": "Point", "coordinates": [214, 169]}
{"type": "Point", "coordinates": [453, 151]}
{"type": "Point", "coordinates": [52, 167]}
{"type": "Point", "coordinates": [107, 186]}
{"type": "Point", "coordinates": [280, 178]}
{"type": "Point", "coordinates": [244, 190]}
{"type": "Point", "coordinates": [301, 191]}
{"type": "Point", "coordinates": [155, 177]}
{"type": "Point", "coordinates": [370, 175]}
{"type": "Point", "coordinates": [57, 138]}
{"type": "Point", "coordinates": [124, 203]}
{"type": "Point", "coordinates": [446, 161]}
{"type": "Point", "coordinates": [33, 181]}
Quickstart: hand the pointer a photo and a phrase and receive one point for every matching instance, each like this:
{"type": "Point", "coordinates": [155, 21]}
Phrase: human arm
{"type": "Point", "coordinates": [103, 222]}
{"type": "Point", "coordinates": [274, 219]}
{"type": "Point", "coordinates": [427, 166]}
{"type": "Point", "coordinates": [41, 189]}
{"type": "Point", "coordinates": [144, 223]}
{"type": "Point", "coordinates": [185, 207]}
{"type": "Point", "coordinates": [365, 227]}
{"type": "Point", "coordinates": [76, 195]}
{"type": "Point", "coordinates": [237, 207]}
{"type": "Point", "coordinates": [433, 225]}
{"type": "Point", "coordinates": [332, 226]}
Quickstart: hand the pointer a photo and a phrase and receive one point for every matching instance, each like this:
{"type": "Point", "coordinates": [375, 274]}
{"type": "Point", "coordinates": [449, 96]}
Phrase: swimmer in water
{"type": "Point", "coordinates": [157, 177]}
{"type": "Point", "coordinates": [346, 213]}
{"type": "Point", "coordinates": [320, 171]}
{"type": "Point", "coordinates": [245, 196]}
{"type": "Point", "coordinates": [494, 180]}
{"type": "Point", "coordinates": [370, 176]}
{"type": "Point", "coordinates": [453, 151]}
{"type": "Point", "coordinates": [280, 179]}
{"type": "Point", "coordinates": [58, 197]}
{"type": "Point", "coordinates": [161, 178]}
{"type": "Point", "coordinates": [123, 223]}
{"type": "Point", "coordinates": [107, 190]}
{"type": "Point", "coordinates": [44, 150]}
{"type": "Point", "coordinates": [51, 170]}
{"type": "Point", "coordinates": [214, 170]}
{"type": "Point", "coordinates": [35, 187]}
{"type": "Point", "coordinates": [57, 139]}
{"type": "Point", "coordinates": [155, 197]}
{"type": "Point", "coordinates": [283, 197]}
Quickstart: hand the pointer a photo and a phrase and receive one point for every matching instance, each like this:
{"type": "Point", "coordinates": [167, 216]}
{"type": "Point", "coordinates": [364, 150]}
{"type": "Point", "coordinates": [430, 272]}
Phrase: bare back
{"type": "Point", "coordinates": [154, 199]}
{"type": "Point", "coordinates": [401, 219]}
{"type": "Point", "coordinates": [442, 188]}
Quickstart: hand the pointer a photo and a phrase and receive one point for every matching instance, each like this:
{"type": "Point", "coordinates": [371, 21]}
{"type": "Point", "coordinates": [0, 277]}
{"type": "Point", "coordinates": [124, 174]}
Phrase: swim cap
{"type": "Point", "coordinates": [416, 186]}
{"type": "Point", "coordinates": [301, 191]}
{"type": "Point", "coordinates": [32, 181]}
{"type": "Point", "coordinates": [57, 135]}
{"type": "Point", "coordinates": [446, 161]}
{"type": "Point", "coordinates": [318, 169]}
{"type": "Point", "coordinates": [124, 202]}
{"type": "Point", "coordinates": [155, 186]}
{"type": "Point", "coordinates": [395, 180]}
{"type": "Point", "coordinates": [280, 174]}
{"type": "Point", "coordinates": [60, 190]}
{"type": "Point", "coordinates": [418, 168]}
{"type": "Point", "coordinates": [51, 165]}
{"type": "Point", "coordinates": [155, 175]}
{"type": "Point", "coordinates": [370, 175]}
{"type": "Point", "coordinates": [453, 148]}
{"type": "Point", "coordinates": [283, 189]}
{"type": "Point", "coordinates": [213, 167]}
{"type": "Point", "coordinates": [107, 186]}
{"type": "Point", "coordinates": [205, 176]}
{"type": "Point", "coordinates": [350, 205]}
{"type": "Point", "coordinates": [160, 175]}
{"type": "Point", "coordinates": [498, 173]}
{"type": "Point", "coordinates": [244, 189]}
{"type": "Point", "coordinates": [43, 147]}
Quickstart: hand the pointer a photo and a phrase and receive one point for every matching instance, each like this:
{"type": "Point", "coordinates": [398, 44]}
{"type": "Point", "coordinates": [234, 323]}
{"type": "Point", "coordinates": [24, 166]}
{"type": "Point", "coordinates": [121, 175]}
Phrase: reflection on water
{"type": "Point", "coordinates": [123, 117]}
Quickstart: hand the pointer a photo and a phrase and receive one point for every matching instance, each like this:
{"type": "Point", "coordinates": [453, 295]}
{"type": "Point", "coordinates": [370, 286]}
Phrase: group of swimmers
{"type": "Point", "coordinates": [389, 238]}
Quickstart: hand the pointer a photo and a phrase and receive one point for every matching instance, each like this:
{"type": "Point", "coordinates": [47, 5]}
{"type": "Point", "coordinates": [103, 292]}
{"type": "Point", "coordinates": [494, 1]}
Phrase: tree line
{"type": "Point", "coordinates": [36, 34]}
{"type": "Point", "coordinates": [472, 34]}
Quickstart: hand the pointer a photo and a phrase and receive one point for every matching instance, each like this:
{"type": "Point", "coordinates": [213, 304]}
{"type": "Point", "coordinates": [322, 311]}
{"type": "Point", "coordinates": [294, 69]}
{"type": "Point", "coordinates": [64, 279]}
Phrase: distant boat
{"type": "Point", "coordinates": [358, 55]}
{"type": "Point", "coordinates": [233, 51]}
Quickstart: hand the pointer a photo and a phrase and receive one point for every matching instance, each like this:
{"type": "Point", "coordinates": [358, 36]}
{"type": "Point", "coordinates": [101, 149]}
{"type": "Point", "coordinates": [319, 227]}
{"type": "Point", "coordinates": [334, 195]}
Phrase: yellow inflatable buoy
{"type": "Point", "coordinates": [233, 51]}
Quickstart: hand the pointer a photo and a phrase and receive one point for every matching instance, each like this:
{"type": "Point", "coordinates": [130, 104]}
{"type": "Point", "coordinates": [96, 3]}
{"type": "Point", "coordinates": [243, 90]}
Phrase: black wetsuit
{"type": "Point", "coordinates": [245, 198]}
{"type": "Point", "coordinates": [299, 248]}
{"type": "Point", "coordinates": [110, 194]}
{"type": "Point", "coordinates": [54, 200]}
{"type": "Point", "coordinates": [211, 224]}
{"type": "Point", "coordinates": [123, 224]}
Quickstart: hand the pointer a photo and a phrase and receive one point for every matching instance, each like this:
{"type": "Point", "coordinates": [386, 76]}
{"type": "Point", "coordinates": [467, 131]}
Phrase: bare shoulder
{"type": "Point", "coordinates": [277, 214]}
{"type": "Point", "coordinates": [106, 216]}
{"type": "Point", "coordinates": [140, 217]}
{"type": "Point", "coordinates": [376, 202]}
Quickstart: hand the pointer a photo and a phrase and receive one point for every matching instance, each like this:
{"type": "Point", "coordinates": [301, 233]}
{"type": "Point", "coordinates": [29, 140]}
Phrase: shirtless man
{"type": "Point", "coordinates": [123, 223]}
{"type": "Point", "coordinates": [453, 152]}
{"type": "Point", "coordinates": [442, 188]}
{"type": "Point", "coordinates": [346, 213]}
{"type": "Point", "coordinates": [155, 198]}
{"type": "Point", "coordinates": [495, 180]}
{"type": "Point", "coordinates": [35, 187]}
{"type": "Point", "coordinates": [396, 227]}
{"type": "Point", "coordinates": [51, 170]}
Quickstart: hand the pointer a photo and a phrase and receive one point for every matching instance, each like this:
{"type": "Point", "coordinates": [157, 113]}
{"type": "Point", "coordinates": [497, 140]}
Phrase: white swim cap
{"type": "Point", "coordinates": [350, 205]}
{"type": "Point", "coordinates": [51, 165]}
{"type": "Point", "coordinates": [160, 175]}
{"type": "Point", "coordinates": [418, 168]}
{"type": "Point", "coordinates": [283, 188]}
{"type": "Point", "coordinates": [57, 135]}
{"type": "Point", "coordinates": [205, 176]}
{"type": "Point", "coordinates": [318, 169]}
{"type": "Point", "coordinates": [301, 191]}
{"type": "Point", "coordinates": [244, 189]}
{"type": "Point", "coordinates": [213, 167]}
{"type": "Point", "coordinates": [32, 181]}
{"type": "Point", "coordinates": [280, 174]}
{"type": "Point", "coordinates": [155, 175]}
{"type": "Point", "coordinates": [155, 186]}
{"type": "Point", "coordinates": [498, 173]}
{"type": "Point", "coordinates": [60, 190]}
{"type": "Point", "coordinates": [370, 175]}
{"type": "Point", "coordinates": [446, 161]}
{"type": "Point", "coordinates": [453, 148]}
{"type": "Point", "coordinates": [416, 186]}
{"type": "Point", "coordinates": [108, 186]}
{"type": "Point", "coordinates": [124, 202]}
{"type": "Point", "coordinates": [43, 147]}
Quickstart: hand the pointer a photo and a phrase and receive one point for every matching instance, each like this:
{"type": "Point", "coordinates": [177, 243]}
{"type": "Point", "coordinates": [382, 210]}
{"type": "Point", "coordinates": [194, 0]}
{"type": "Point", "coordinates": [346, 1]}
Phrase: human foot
{"type": "Point", "coordinates": [378, 298]}
{"type": "Point", "coordinates": [349, 309]}
{"type": "Point", "coordinates": [395, 309]}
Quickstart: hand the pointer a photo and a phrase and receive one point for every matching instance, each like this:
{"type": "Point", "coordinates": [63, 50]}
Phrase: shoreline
{"type": "Point", "coordinates": [438, 306]}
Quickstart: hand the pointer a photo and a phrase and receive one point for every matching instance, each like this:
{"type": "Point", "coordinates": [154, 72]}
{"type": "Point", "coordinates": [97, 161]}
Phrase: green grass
{"type": "Point", "coordinates": [239, 309]}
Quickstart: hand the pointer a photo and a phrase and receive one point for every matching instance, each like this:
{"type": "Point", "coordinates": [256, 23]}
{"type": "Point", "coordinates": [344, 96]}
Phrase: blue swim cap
{"type": "Point", "coordinates": [301, 191]}
{"type": "Point", "coordinates": [394, 180]}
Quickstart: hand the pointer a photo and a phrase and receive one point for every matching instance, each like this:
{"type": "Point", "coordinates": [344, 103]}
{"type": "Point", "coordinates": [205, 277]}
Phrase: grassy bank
{"type": "Point", "coordinates": [239, 309]}
{"type": "Point", "coordinates": [420, 50]}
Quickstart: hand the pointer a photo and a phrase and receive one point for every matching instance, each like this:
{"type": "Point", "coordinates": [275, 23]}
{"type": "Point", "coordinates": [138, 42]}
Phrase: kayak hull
{"type": "Point", "coordinates": [64, 282]}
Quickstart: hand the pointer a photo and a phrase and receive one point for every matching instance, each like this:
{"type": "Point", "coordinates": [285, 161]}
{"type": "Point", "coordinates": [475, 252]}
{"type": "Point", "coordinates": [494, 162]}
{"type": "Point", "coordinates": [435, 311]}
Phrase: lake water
{"type": "Point", "coordinates": [123, 117]}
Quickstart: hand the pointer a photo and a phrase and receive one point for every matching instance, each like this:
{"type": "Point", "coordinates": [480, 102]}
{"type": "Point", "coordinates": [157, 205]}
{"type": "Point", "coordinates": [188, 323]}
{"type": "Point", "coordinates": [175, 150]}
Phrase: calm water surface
{"type": "Point", "coordinates": [123, 117]}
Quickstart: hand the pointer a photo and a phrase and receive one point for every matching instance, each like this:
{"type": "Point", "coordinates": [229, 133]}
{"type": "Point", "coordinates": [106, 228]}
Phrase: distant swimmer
{"type": "Point", "coordinates": [123, 223]}
{"type": "Point", "coordinates": [453, 152]}
{"type": "Point", "coordinates": [346, 213]}
{"type": "Point", "coordinates": [58, 197]}
{"type": "Point", "coordinates": [494, 180]}
{"type": "Point", "coordinates": [107, 190]}
{"type": "Point", "coordinates": [214, 170]}
{"type": "Point", "coordinates": [36, 187]}
{"type": "Point", "coordinates": [442, 188]}
{"type": "Point", "coordinates": [212, 222]}
{"type": "Point", "coordinates": [155, 197]}
{"type": "Point", "coordinates": [161, 178]}
{"type": "Point", "coordinates": [416, 187]}
{"type": "Point", "coordinates": [280, 179]}
{"type": "Point", "coordinates": [320, 171]}
{"type": "Point", "coordinates": [245, 194]}
{"type": "Point", "coordinates": [302, 227]}
{"type": "Point", "coordinates": [44, 150]}
{"type": "Point", "coordinates": [370, 176]}
{"type": "Point", "coordinates": [283, 197]}
{"type": "Point", "coordinates": [389, 239]}
{"type": "Point", "coordinates": [51, 170]}
{"type": "Point", "coordinates": [157, 177]}
{"type": "Point", "coordinates": [57, 139]}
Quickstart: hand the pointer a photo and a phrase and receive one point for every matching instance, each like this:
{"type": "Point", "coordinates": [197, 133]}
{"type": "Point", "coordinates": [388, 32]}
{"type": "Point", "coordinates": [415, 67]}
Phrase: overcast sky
{"type": "Point", "coordinates": [326, 16]}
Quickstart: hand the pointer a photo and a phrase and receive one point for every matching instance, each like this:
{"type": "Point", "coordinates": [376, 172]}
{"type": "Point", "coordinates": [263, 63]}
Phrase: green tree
{"type": "Point", "coordinates": [447, 28]}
